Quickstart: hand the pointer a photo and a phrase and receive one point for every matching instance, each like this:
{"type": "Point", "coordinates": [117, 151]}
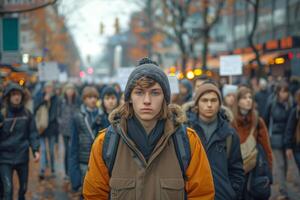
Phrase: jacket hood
{"type": "Point", "coordinates": [11, 87]}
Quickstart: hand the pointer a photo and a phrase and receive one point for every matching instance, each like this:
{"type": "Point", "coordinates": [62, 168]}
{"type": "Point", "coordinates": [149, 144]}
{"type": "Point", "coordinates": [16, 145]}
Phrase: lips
{"type": "Point", "coordinates": [146, 110]}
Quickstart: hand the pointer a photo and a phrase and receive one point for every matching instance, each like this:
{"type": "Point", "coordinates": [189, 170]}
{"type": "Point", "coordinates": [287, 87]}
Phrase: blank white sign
{"type": "Point", "coordinates": [231, 65]}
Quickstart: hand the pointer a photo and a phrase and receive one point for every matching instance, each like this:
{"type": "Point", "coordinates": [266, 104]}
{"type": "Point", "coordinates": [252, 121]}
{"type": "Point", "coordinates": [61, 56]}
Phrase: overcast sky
{"type": "Point", "coordinates": [83, 18]}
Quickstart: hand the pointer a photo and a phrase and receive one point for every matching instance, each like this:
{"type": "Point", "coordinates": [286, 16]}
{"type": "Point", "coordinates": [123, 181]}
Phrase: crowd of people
{"type": "Point", "coordinates": [210, 141]}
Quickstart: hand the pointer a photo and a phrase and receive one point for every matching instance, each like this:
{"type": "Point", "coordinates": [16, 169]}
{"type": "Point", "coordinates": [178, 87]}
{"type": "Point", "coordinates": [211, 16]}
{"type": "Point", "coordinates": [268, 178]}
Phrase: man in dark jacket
{"type": "Point", "coordinates": [220, 141]}
{"type": "Point", "coordinates": [261, 97]}
{"type": "Point", "coordinates": [17, 133]}
{"type": "Point", "coordinates": [85, 127]}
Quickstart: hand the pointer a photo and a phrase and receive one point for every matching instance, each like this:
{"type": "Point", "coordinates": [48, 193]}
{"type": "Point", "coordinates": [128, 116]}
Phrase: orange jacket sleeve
{"type": "Point", "coordinates": [263, 139]}
{"type": "Point", "coordinates": [199, 185]}
{"type": "Point", "coordinates": [96, 182]}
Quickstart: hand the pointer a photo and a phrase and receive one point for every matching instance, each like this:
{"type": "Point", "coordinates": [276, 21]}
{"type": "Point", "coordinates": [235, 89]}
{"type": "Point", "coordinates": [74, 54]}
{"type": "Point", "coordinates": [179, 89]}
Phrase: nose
{"type": "Point", "coordinates": [209, 103]}
{"type": "Point", "coordinates": [147, 98]}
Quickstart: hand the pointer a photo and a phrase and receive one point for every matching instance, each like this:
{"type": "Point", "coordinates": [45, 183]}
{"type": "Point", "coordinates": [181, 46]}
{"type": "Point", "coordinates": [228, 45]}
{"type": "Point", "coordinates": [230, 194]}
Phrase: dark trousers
{"type": "Point", "coordinates": [6, 174]}
{"type": "Point", "coordinates": [67, 151]}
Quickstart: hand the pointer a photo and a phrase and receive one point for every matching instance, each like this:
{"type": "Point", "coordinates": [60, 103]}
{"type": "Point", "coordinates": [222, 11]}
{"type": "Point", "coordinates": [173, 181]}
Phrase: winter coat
{"type": "Point", "coordinates": [261, 98]}
{"type": "Point", "coordinates": [82, 138]}
{"type": "Point", "coordinates": [52, 128]}
{"type": "Point", "coordinates": [66, 113]}
{"type": "Point", "coordinates": [276, 117]}
{"type": "Point", "coordinates": [243, 126]}
{"type": "Point", "coordinates": [17, 133]}
{"type": "Point", "coordinates": [290, 134]}
{"type": "Point", "coordinates": [227, 170]}
{"type": "Point", "coordinates": [159, 178]}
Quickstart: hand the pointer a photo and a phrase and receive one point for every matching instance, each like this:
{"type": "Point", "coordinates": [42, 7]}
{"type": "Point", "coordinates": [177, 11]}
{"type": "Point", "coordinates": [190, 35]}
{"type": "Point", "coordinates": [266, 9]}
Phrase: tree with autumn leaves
{"type": "Point", "coordinates": [52, 37]}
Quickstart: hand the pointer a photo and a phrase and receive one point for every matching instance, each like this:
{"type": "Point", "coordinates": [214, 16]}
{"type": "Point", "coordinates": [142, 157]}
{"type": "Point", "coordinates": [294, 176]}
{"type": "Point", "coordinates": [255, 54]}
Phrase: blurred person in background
{"type": "Point", "coordinates": [185, 92]}
{"type": "Point", "coordinates": [261, 97]}
{"type": "Point", "coordinates": [85, 127]}
{"type": "Point", "coordinates": [292, 135]}
{"type": "Point", "coordinates": [249, 125]}
{"type": "Point", "coordinates": [229, 96]}
{"type": "Point", "coordinates": [276, 117]}
{"type": "Point", "coordinates": [68, 106]}
{"type": "Point", "coordinates": [47, 104]}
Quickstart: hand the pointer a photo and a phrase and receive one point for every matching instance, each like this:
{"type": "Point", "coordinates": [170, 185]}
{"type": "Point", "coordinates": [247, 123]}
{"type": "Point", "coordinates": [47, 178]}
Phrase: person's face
{"type": "Point", "coordinates": [110, 102]}
{"type": "Point", "coordinates": [147, 102]}
{"type": "Point", "coordinates": [91, 101]}
{"type": "Point", "coordinates": [182, 89]}
{"type": "Point", "coordinates": [70, 92]}
{"type": "Point", "coordinates": [198, 83]}
{"type": "Point", "coordinates": [283, 95]}
{"type": "Point", "coordinates": [49, 89]}
{"type": "Point", "coordinates": [229, 99]}
{"type": "Point", "coordinates": [208, 105]}
{"type": "Point", "coordinates": [246, 102]}
{"type": "Point", "coordinates": [15, 97]}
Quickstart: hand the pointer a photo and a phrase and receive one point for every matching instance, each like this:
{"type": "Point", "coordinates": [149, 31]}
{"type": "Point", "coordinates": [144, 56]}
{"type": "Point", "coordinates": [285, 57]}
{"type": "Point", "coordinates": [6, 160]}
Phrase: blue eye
{"type": "Point", "coordinates": [139, 93]}
{"type": "Point", "coordinates": [155, 93]}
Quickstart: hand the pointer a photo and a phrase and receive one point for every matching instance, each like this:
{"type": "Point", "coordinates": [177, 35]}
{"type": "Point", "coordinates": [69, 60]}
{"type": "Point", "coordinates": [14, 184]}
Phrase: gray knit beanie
{"type": "Point", "coordinates": [148, 68]}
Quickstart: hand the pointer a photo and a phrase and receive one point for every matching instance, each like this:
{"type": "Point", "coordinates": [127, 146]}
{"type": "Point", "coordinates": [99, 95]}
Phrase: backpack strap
{"type": "Point", "coordinates": [182, 148]}
{"type": "Point", "coordinates": [110, 147]}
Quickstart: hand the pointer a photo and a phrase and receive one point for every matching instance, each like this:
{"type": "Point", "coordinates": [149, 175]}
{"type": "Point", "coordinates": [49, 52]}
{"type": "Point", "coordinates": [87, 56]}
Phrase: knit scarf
{"type": "Point", "coordinates": [144, 142]}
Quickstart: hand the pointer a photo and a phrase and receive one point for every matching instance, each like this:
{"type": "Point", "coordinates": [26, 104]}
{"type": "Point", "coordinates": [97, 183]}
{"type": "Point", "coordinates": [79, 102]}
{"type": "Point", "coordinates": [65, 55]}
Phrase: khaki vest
{"type": "Point", "coordinates": [133, 178]}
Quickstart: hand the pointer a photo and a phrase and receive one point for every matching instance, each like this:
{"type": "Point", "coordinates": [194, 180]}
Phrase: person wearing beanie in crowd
{"type": "Point", "coordinates": [110, 101]}
{"type": "Point", "coordinates": [220, 141]}
{"type": "Point", "coordinates": [68, 105]}
{"type": "Point", "coordinates": [47, 104]}
{"type": "Point", "coordinates": [247, 124]}
{"type": "Point", "coordinates": [18, 133]}
{"type": "Point", "coordinates": [276, 117]}
{"type": "Point", "coordinates": [198, 82]}
{"type": "Point", "coordinates": [292, 134]}
{"type": "Point", "coordinates": [147, 163]}
{"type": "Point", "coordinates": [261, 97]}
{"type": "Point", "coordinates": [85, 127]}
{"type": "Point", "coordinates": [229, 96]}
{"type": "Point", "coordinates": [185, 92]}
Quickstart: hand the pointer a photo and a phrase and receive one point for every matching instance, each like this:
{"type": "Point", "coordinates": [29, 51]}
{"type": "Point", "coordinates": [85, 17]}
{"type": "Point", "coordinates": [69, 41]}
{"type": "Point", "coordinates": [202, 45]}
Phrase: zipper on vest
{"type": "Point", "coordinates": [138, 154]}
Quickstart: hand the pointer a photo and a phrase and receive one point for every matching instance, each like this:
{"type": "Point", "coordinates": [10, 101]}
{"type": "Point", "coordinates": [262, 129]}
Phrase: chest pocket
{"type": "Point", "coordinates": [171, 188]}
{"type": "Point", "coordinates": [122, 188]}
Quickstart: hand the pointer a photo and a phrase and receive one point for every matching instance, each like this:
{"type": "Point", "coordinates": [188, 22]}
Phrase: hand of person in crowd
{"type": "Point", "coordinates": [289, 153]}
{"type": "Point", "coordinates": [36, 156]}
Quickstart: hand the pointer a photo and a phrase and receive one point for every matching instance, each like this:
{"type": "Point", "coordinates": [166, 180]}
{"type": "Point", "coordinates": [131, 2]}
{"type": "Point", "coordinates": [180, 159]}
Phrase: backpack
{"type": "Point", "coordinates": [180, 140]}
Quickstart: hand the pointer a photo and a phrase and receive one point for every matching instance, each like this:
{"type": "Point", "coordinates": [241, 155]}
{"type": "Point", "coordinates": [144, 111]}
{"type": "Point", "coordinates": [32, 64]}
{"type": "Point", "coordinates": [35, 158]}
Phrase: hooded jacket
{"type": "Point", "coordinates": [18, 132]}
{"type": "Point", "coordinates": [227, 170]}
{"type": "Point", "coordinates": [159, 178]}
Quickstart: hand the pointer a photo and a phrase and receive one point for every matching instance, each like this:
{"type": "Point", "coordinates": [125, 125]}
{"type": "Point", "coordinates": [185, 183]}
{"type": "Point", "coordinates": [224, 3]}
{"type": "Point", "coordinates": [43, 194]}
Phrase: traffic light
{"type": "Point", "coordinates": [117, 25]}
{"type": "Point", "coordinates": [90, 70]}
{"type": "Point", "coordinates": [81, 74]}
{"type": "Point", "coordinates": [190, 75]}
{"type": "Point", "coordinates": [101, 28]}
